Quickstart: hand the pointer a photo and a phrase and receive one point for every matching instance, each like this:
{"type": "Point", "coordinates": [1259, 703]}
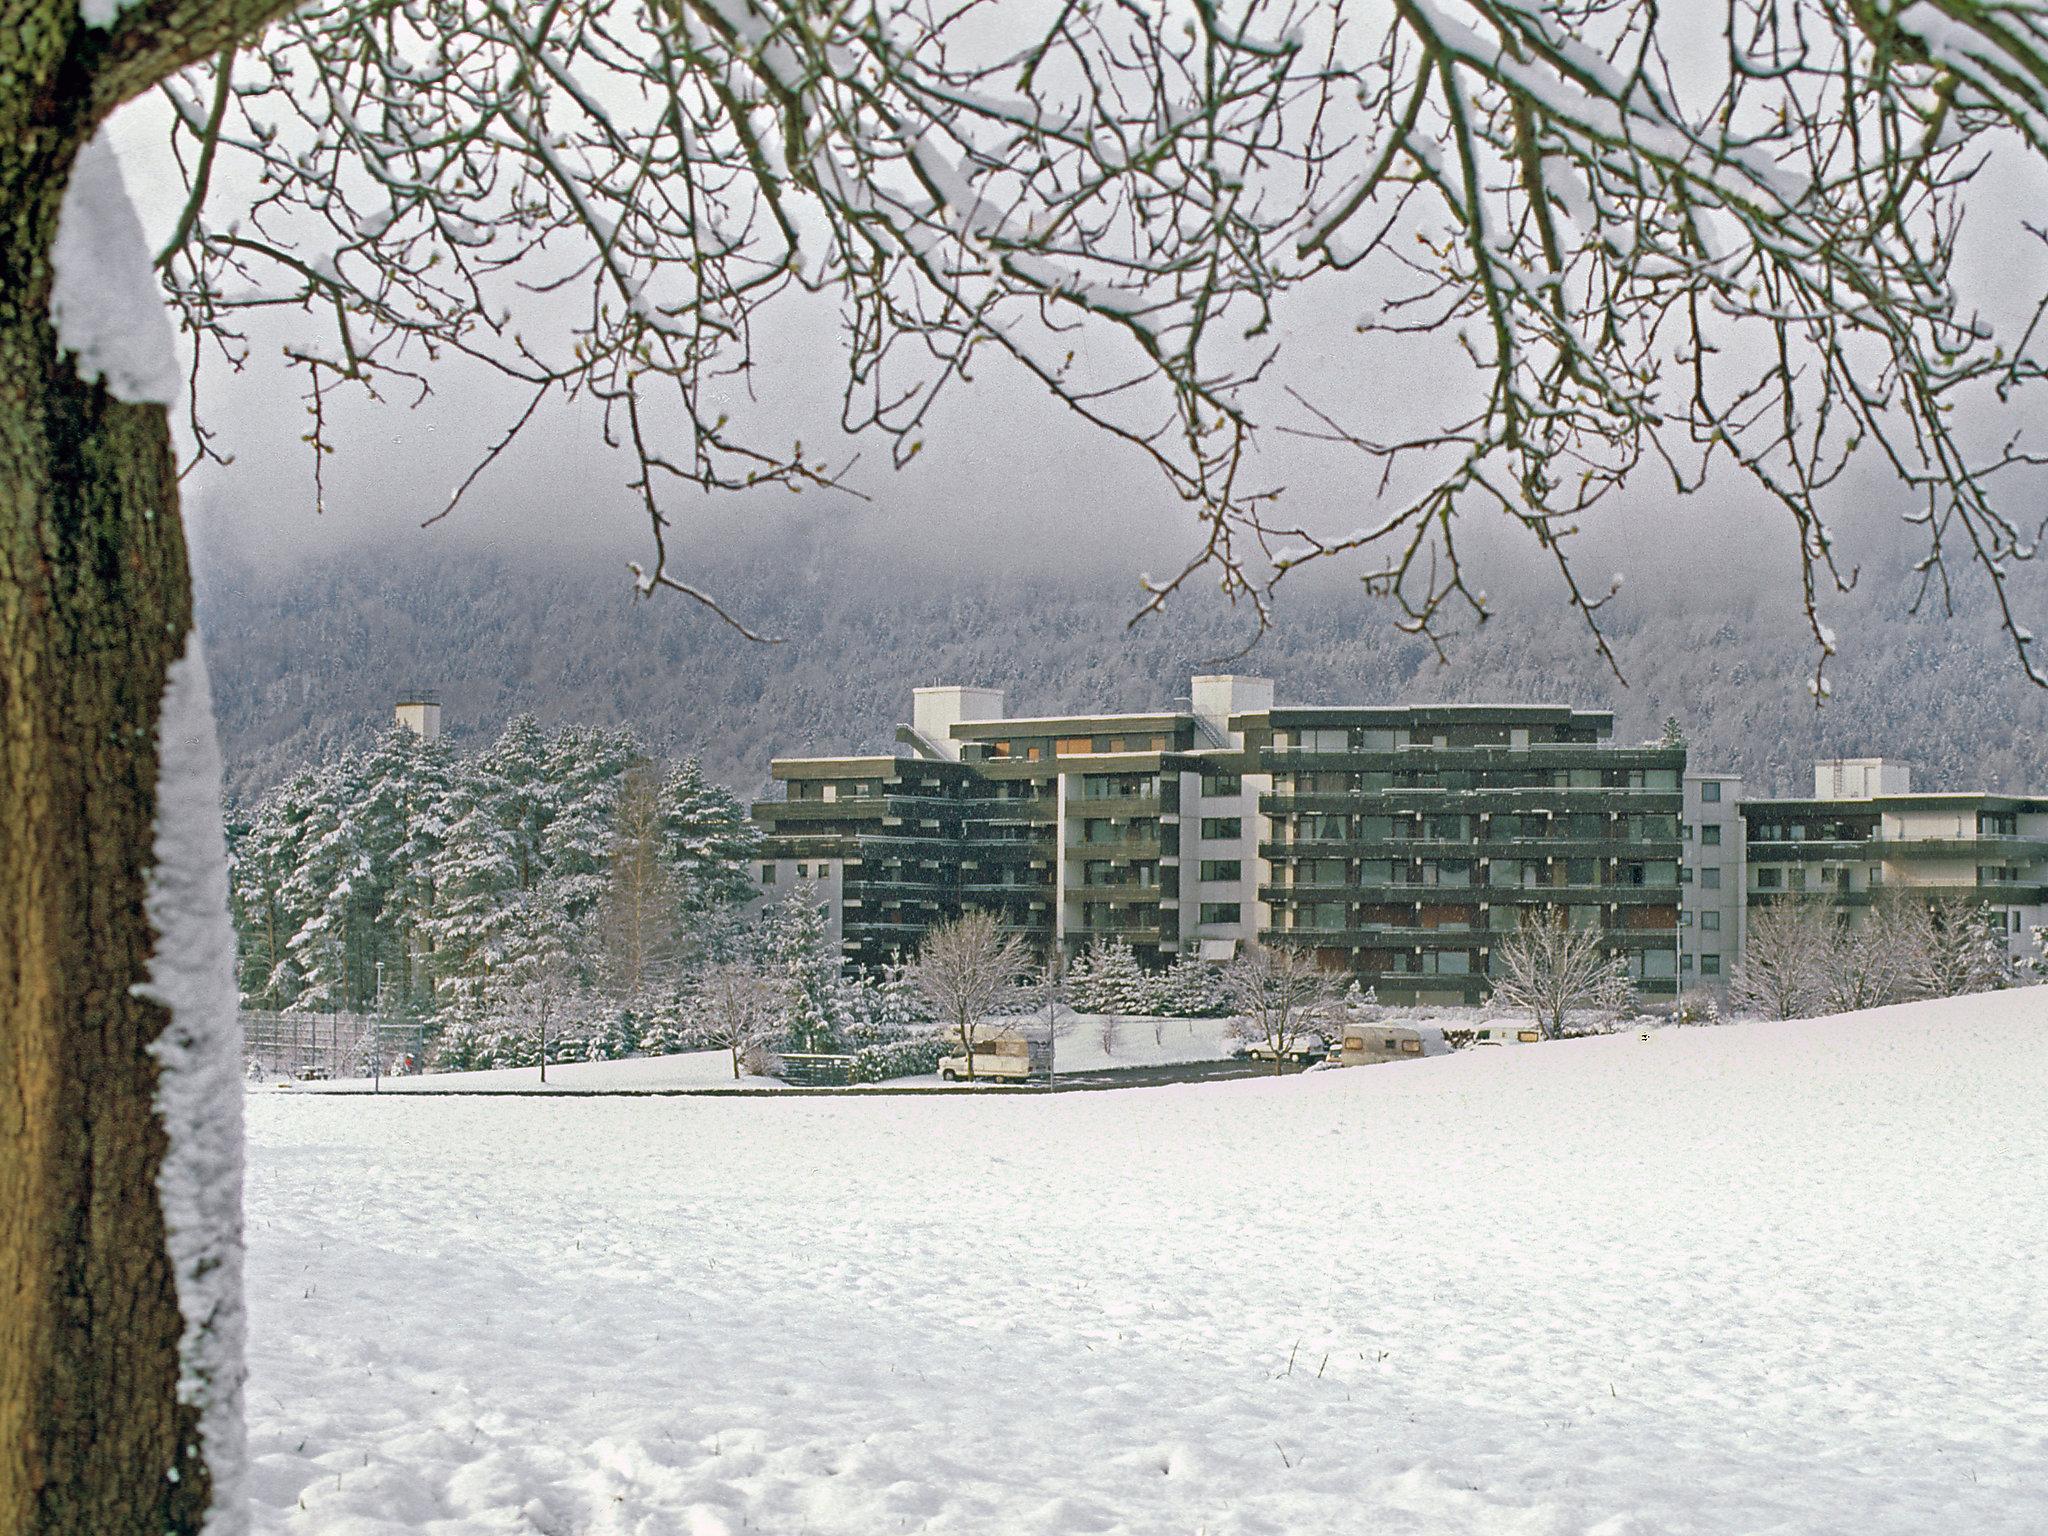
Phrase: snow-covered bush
{"type": "Point", "coordinates": [917, 1056]}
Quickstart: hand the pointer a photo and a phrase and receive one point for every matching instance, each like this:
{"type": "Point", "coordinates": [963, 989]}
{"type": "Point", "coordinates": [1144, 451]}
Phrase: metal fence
{"type": "Point", "coordinates": [324, 1045]}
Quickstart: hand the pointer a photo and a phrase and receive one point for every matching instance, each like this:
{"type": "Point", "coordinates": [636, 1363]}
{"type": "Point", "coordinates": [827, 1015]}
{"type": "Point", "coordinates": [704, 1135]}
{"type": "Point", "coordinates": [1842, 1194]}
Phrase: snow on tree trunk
{"type": "Point", "coordinates": [199, 1086]}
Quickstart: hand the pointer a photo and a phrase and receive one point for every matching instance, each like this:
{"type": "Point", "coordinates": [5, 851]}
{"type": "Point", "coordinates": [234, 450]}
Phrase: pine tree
{"type": "Point", "coordinates": [708, 841]}
{"type": "Point", "coordinates": [801, 952]}
{"type": "Point", "coordinates": [1113, 981]}
{"type": "Point", "coordinates": [1189, 989]}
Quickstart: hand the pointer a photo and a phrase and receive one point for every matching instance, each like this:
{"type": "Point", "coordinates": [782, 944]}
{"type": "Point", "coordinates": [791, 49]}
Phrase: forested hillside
{"type": "Point", "coordinates": [311, 659]}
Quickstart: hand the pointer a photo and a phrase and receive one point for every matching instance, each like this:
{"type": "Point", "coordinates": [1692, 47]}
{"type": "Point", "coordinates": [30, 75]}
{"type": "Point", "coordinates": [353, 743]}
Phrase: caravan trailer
{"type": "Point", "coordinates": [1399, 1040]}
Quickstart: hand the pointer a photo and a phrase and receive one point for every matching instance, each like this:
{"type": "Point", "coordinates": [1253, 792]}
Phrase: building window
{"type": "Point", "coordinates": [767, 874]}
{"type": "Point", "coordinates": [1710, 879]}
{"type": "Point", "coordinates": [825, 870]}
{"type": "Point", "coordinates": [1710, 792]}
{"type": "Point", "coordinates": [803, 871]}
{"type": "Point", "coordinates": [1685, 962]}
{"type": "Point", "coordinates": [1222, 828]}
{"type": "Point", "coordinates": [1222, 869]}
{"type": "Point", "coordinates": [1219, 911]}
{"type": "Point", "coordinates": [1710, 837]}
{"type": "Point", "coordinates": [1217, 784]}
{"type": "Point", "coordinates": [1710, 965]}
{"type": "Point", "coordinates": [1710, 922]}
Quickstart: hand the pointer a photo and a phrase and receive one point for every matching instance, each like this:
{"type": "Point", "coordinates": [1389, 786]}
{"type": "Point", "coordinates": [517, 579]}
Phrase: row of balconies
{"type": "Point", "coordinates": [1871, 849]}
{"type": "Point", "coordinates": [1504, 895]}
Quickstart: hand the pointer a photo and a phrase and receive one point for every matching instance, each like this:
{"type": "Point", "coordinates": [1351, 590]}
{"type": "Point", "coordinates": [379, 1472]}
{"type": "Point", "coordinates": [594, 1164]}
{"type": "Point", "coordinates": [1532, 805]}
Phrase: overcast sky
{"type": "Point", "coordinates": [1006, 478]}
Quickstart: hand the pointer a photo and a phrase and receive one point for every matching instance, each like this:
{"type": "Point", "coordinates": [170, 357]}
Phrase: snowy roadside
{"type": "Point", "coordinates": [1088, 1043]}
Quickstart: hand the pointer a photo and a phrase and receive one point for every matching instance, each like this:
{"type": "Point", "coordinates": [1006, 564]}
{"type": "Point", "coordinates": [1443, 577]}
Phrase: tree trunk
{"type": "Point", "coordinates": [95, 603]}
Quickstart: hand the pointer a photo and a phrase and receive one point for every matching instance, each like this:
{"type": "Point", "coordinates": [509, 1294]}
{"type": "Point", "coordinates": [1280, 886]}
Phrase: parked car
{"type": "Point", "coordinates": [1506, 1032]}
{"type": "Point", "coordinates": [1364, 1044]}
{"type": "Point", "coordinates": [1309, 1048]}
{"type": "Point", "coordinates": [1004, 1059]}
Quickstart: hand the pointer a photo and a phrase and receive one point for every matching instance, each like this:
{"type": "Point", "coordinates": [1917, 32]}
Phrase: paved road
{"type": "Point", "coordinates": [1152, 1077]}
{"type": "Point", "coordinates": [1067, 1082]}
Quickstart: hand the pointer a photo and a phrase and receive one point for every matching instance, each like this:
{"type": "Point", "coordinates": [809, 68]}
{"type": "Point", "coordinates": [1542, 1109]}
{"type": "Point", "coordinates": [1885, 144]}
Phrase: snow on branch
{"type": "Point", "coordinates": [1650, 257]}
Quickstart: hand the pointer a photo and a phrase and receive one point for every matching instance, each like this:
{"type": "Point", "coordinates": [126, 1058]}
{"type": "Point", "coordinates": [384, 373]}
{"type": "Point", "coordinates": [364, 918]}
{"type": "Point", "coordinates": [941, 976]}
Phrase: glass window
{"type": "Point", "coordinates": [1710, 879]}
{"type": "Point", "coordinates": [1219, 911]}
{"type": "Point", "coordinates": [1214, 784]}
{"type": "Point", "coordinates": [1710, 837]}
{"type": "Point", "coordinates": [1710, 792]}
{"type": "Point", "coordinates": [1222, 869]}
{"type": "Point", "coordinates": [1710, 965]}
{"type": "Point", "coordinates": [1710, 922]}
{"type": "Point", "coordinates": [1223, 827]}
{"type": "Point", "coordinates": [803, 871]}
{"type": "Point", "coordinates": [767, 874]}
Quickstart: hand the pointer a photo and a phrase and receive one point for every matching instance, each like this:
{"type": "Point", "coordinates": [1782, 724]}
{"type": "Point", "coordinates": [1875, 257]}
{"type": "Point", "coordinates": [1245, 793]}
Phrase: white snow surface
{"type": "Point", "coordinates": [105, 302]}
{"type": "Point", "coordinates": [1774, 1277]}
{"type": "Point", "coordinates": [199, 1084]}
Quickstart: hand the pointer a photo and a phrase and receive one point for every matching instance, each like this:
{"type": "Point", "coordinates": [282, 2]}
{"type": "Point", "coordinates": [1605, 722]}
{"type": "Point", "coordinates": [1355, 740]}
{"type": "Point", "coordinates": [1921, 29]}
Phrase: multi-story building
{"type": "Point", "coordinates": [1403, 843]}
{"type": "Point", "coordinates": [1713, 912]}
{"type": "Point", "coordinates": [1866, 829]}
{"type": "Point", "coordinates": [1399, 843]}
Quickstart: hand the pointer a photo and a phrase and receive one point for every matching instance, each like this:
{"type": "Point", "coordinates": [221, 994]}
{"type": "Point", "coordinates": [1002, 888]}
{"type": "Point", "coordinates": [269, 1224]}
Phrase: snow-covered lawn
{"type": "Point", "coordinates": [1784, 1278]}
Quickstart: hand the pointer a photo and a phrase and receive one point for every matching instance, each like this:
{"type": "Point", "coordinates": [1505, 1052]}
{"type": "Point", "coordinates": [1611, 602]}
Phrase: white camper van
{"type": "Point", "coordinates": [1399, 1040]}
{"type": "Point", "coordinates": [998, 1059]}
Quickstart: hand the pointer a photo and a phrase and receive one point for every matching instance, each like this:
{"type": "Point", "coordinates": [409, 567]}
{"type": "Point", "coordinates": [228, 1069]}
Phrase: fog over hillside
{"type": "Point", "coordinates": [310, 657]}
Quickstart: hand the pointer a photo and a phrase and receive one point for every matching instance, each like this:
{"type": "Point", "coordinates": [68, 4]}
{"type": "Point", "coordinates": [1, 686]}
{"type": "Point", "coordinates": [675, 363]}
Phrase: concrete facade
{"type": "Point", "coordinates": [1714, 911]}
{"type": "Point", "coordinates": [1398, 843]}
{"type": "Point", "coordinates": [1877, 832]}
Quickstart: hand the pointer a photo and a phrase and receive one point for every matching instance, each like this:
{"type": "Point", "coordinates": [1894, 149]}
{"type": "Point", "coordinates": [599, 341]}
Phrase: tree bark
{"type": "Point", "coordinates": [95, 603]}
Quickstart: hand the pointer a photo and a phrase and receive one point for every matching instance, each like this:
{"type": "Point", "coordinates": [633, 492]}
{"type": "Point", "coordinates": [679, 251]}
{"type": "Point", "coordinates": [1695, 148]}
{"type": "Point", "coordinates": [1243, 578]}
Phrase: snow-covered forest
{"type": "Point", "coordinates": [862, 630]}
{"type": "Point", "coordinates": [546, 872]}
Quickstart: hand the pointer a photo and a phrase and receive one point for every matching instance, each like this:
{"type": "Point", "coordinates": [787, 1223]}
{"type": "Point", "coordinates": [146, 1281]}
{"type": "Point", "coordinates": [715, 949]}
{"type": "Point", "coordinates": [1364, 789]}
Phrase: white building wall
{"type": "Point", "coordinates": [935, 711]}
{"type": "Point", "coordinates": [1721, 935]}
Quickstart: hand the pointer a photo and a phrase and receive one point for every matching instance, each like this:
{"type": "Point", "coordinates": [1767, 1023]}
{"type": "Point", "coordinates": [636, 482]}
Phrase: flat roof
{"type": "Point", "coordinates": [1937, 797]}
{"type": "Point", "coordinates": [1393, 713]}
{"type": "Point", "coordinates": [977, 729]}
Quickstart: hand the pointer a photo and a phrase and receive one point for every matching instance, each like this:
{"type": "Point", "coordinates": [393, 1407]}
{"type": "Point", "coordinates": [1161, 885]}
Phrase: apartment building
{"type": "Point", "coordinates": [1865, 828]}
{"type": "Point", "coordinates": [1402, 843]}
{"type": "Point", "coordinates": [1397, 842]}
{"type": "Point", "coordinates": [1713, 910]}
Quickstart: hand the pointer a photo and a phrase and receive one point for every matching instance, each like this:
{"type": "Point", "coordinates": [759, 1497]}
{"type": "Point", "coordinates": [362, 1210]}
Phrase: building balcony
{"type": "Point", "coordinates": [1485, 895]}
{"type": "Point", "coordinates": [1124, 848]}
{"type": "Point", "coordinates": [1537, 755]}
{"type": "Point", "coordinates": [1089, 806]}
{"type": "Point", "coordinates": [1145, 894]}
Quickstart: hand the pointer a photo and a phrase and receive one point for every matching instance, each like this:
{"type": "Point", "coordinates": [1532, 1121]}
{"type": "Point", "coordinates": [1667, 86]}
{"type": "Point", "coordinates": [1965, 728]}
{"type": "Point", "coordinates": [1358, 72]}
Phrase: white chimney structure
{"type": "Point", "coordinates": [420, 713]}
{"type": "Point", "coordinates": [1860, 778]}
{"type": "Point", "coordinates": [935, 711]}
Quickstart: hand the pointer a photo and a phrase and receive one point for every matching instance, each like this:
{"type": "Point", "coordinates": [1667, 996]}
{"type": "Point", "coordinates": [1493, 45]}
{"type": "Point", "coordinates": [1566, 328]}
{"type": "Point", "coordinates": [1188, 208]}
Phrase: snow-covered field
{"type": "Point", "coordinates": [1786, 1278]}
{"type": "Point", "coordinates": [1087, 1043]}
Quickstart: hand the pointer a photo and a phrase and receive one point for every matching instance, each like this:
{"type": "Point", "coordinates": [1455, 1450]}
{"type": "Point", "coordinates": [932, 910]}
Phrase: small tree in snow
{"type": "Point", "coordinates": [1550, 970]}
{"type": "Point", "coordinates": [1785, 961]}
{"type": "Point", "coordinates": [739, 1008]}
{"type": "Point", "coordinates": [966, 971]}
{"type": "Point", "coordinates": [1966, 949]}
{"type": "Point", "coordinates": [1280, 997]}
